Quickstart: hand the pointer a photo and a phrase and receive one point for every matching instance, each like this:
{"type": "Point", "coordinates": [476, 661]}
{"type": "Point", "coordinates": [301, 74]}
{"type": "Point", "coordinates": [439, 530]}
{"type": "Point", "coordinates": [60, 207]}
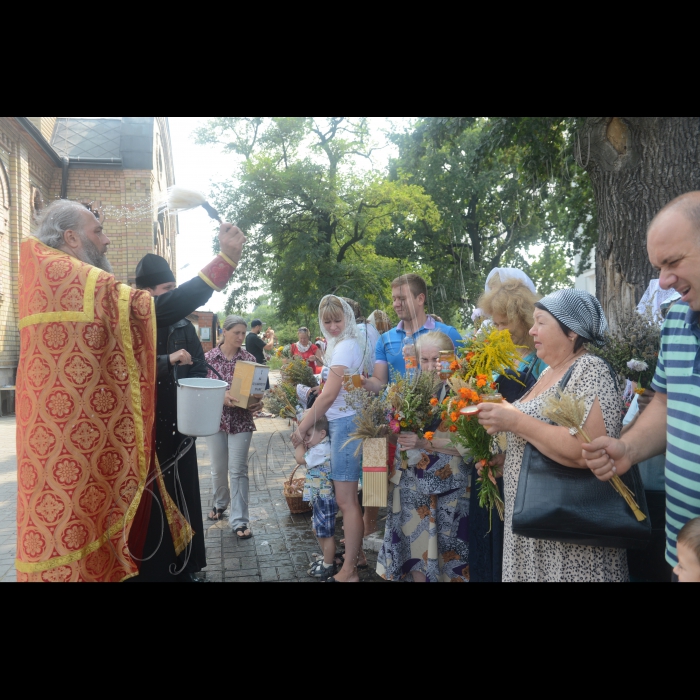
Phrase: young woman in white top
{"type": "Point", "coordinates": [337, 322]}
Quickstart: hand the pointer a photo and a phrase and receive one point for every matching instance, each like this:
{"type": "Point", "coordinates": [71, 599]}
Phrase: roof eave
{"type": "Point", "coordinates": [39, 138]}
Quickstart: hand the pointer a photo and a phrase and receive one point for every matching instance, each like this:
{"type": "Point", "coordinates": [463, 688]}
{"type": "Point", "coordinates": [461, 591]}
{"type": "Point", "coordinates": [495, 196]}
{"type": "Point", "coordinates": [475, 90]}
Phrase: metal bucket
{"type": "Point", "coordinates": [200, 404]}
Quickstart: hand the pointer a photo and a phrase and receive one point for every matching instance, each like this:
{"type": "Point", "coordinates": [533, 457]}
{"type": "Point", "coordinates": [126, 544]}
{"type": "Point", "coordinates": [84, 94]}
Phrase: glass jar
{"type": "Point", "coordinates": [447, 359]}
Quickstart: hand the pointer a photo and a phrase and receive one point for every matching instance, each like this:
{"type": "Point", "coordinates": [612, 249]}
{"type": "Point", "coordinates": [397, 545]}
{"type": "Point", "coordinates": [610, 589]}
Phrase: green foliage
{"type": "Point", "coordinates": [464, 195]}
{"type": "Point", "coordinates": [312, 214]}
{"type": "Point", "coordinates": [498, 204]}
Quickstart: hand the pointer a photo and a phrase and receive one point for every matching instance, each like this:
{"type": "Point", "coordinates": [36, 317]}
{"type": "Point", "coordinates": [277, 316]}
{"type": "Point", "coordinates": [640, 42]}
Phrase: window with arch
{"type": "Point", "coordinates": [5, 203]}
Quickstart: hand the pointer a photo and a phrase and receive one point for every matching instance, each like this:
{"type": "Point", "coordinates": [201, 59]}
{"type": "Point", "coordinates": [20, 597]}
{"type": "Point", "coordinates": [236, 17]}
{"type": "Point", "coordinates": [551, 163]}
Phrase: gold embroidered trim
{"type": "Point", "coordinates": [228, 260]}
{"type": "Point", "coordinates": [172, 512]}
{"type": "Point", "coordinates": [87, 315]}
{"type": "Point", "coordinates": [209, 282]}
{"type": "Point", "coordinates": [134, 372]}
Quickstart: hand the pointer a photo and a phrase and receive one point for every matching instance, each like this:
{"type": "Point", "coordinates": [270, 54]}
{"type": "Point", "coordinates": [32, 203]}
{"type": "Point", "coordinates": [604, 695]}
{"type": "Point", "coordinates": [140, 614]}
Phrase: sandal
{"type": "Point", "coordinates": [320, 572]}
{"type": "Point", "coordinates": [219, 516]}
{"type": "Point", "coordinates": [240, 533]}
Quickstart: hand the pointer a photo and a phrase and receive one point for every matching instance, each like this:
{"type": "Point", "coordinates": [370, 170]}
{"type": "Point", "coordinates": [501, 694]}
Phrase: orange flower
{"type": "Point", "coordinates": [464, 393]}
{"type": "Point", "coordinates": [462, 404]}
{"type": "Point", "coordinates": [470, 356]}
{"type": "Point", "coordinates": [453, 429]}
{"type": "Point", "coordinates": [494, 386]}
{"type": "Point", "coordinates": [455, 366]}
{"type": "Point", "coordinates": [430, 437]}
{"type": "Point", "coordinates": [454, 417]}
{"type": "Point", "coordinates": [434, 402]}
{"type": "Point", "coordinates": [446, 401]}
{"type": "Point", "coordinates": [482, 381]}
{"type": "Point", "coordinates": [444, 416]}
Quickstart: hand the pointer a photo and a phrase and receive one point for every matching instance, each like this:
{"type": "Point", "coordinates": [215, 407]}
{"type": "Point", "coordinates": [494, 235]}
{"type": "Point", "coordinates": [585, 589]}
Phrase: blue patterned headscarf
{"type": "Point", "coordinates": [579, 311]}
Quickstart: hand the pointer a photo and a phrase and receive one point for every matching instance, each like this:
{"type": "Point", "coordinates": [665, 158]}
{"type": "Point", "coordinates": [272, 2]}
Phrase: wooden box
{"type": "Point", "coordinates": [375, 473]}
{"type": "Point", "coordinates": [249, 383]}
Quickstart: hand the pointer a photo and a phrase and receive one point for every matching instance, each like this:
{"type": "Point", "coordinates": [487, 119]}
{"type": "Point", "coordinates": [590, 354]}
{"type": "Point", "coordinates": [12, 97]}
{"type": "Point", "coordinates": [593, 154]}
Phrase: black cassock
{"type": "Point", "coordinates": [162, 565]}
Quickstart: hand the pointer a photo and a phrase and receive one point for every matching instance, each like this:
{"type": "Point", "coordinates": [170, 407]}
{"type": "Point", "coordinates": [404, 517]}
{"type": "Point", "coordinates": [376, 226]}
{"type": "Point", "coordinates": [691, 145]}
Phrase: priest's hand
{"type": "Point", "coordinates": [232, 240]}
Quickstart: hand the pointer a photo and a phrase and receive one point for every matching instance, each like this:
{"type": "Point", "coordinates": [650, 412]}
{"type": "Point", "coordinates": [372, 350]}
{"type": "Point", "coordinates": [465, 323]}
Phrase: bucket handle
{"type": "Point", "coordinates": [207, 365]}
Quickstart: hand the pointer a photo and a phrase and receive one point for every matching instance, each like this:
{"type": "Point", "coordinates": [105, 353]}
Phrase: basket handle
{"type": "Point", "coordinates": [291, 478]}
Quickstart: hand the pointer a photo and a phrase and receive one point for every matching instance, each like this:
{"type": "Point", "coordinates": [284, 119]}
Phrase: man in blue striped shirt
{"type": "Point", "coordinates": [671, 423]}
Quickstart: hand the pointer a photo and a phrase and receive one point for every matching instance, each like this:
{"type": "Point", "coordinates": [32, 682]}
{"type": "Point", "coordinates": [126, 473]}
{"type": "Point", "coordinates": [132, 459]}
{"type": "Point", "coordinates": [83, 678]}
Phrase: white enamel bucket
{"type": "Point", "coordinates": [200, 404]}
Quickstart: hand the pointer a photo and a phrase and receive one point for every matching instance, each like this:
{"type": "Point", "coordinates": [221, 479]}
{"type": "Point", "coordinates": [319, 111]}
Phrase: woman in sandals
{"type": "Point", "coordinates": [230, 447]}
{"type": "Point", "coordinates": [343, 354]}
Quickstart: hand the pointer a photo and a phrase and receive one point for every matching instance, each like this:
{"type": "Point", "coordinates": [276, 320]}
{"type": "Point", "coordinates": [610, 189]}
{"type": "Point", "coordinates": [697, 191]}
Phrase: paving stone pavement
{"type": "Point", "coordinates": [283, 546]}
{"type": "Point", "coordinates": [8, 499]}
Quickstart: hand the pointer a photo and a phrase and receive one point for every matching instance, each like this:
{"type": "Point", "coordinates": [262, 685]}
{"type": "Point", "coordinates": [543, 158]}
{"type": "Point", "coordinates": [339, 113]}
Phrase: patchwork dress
{"type": "Point", "coordinates": [428, 521]}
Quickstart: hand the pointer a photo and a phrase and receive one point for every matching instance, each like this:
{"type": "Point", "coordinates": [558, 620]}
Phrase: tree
{"type": "Point", "coordinates": [636, 165]}
{"type": "Point", "coordinates": [313, 212]}
{"type": "Point", "coordinates": [494, 211]}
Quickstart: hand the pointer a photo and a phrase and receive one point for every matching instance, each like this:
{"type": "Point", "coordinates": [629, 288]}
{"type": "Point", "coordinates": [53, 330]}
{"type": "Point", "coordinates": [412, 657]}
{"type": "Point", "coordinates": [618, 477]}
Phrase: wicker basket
{"type": "Point", "coordinates": [294, 493]}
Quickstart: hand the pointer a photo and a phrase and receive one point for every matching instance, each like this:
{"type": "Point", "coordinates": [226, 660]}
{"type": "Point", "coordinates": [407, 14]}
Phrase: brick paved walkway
{"type": "Point", "coordinates": [282, 549]}
{"type": "Point", "coordinates": [8, 499]}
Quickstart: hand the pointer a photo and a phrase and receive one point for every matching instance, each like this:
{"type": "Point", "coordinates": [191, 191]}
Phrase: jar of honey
{"type": "Point", "coordinates": [492, 398]}
{"type": "Point", "coordinates": [447, 359]}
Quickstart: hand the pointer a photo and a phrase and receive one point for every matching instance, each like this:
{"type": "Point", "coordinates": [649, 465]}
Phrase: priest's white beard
{"type": "Point", "coordinates": [92, 256]}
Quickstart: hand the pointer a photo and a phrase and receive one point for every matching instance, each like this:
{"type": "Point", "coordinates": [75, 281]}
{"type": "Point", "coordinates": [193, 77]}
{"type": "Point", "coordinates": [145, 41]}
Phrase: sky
{"type": "Point", "coordinates": [197, 167]}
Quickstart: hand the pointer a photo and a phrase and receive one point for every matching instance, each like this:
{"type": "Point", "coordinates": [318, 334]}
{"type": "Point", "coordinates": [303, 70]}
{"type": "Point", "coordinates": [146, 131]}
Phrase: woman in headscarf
{"type": "Point", "coordinates": [565, 323]}
{"type": "Point", "coordinates": [509, 302]}
{"type": "Point", "coordinates": [337, 322]}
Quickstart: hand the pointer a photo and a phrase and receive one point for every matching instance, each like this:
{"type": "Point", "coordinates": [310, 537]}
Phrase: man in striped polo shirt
{"type": "Point", "coordinates": [671, 423]}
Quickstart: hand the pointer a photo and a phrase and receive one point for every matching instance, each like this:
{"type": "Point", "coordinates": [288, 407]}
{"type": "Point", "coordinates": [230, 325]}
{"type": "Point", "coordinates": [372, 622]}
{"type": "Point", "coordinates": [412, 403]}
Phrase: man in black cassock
{"type": "Point", "coordinates": [180, 356]}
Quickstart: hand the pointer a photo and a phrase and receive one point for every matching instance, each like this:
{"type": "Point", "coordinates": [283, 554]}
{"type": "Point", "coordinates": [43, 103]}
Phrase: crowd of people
{"type": "Point", "coordinates": [109, 489]}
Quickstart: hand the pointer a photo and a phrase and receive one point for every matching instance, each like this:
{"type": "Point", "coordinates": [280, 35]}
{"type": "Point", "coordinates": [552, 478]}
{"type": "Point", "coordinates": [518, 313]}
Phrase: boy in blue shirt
{"type": "Point", "coordinates": [315, 454]}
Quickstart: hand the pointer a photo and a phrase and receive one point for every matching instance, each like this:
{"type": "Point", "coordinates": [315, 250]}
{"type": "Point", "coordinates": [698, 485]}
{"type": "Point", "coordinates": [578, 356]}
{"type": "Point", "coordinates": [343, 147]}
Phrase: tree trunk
{"type": "Point", "coordinates": [637, 166]}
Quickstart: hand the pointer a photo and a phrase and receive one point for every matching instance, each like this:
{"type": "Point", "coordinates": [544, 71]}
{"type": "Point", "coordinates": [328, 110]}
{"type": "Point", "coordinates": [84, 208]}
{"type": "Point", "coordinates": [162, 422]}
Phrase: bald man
{"type": "Point", "coordinates": [671, 422]}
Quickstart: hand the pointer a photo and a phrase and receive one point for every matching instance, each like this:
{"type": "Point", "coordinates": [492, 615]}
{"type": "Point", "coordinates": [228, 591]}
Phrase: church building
{"type": "Point", "coordinates": [120, 167]}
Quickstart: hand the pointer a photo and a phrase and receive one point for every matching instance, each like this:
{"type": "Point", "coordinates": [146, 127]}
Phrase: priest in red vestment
{"type": "Point", "coordinates": [87, 473]}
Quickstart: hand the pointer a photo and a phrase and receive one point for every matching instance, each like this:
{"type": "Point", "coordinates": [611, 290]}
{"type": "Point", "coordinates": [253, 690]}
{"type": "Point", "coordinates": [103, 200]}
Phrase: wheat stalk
{"type": "Point", "coordinates": [569, 411]}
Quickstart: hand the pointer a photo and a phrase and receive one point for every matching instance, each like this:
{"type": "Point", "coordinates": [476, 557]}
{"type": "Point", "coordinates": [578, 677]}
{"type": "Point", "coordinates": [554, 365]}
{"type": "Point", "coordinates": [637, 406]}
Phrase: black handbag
{"type": "Point", "coordinates": [560, 504]}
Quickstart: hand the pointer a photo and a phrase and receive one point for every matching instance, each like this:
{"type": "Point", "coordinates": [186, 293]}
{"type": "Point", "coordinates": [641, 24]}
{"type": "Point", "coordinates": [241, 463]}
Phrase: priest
{"type": "Point", "coordinates": [86, 401]}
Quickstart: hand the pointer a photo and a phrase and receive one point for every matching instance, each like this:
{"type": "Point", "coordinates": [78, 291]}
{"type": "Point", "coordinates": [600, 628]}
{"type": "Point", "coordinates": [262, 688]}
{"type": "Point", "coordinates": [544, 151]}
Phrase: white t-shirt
{"type": "Point", "coordinates": [347, 354]}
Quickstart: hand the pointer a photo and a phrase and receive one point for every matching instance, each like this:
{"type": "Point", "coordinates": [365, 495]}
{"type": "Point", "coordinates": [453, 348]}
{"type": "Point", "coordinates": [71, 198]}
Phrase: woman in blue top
{"type": "Point", "coordinates": [509, 302]}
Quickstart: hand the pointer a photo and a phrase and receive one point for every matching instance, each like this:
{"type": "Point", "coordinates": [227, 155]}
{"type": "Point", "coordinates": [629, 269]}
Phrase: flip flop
{"type": "Point", "coordinates": [220, 516]}
{"type": "Point", "coordinates": [241, 531]}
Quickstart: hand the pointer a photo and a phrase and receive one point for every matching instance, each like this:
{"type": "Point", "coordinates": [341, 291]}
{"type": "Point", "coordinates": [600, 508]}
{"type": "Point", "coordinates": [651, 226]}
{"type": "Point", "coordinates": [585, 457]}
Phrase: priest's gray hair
{"type": "Point", "coordinates": [57, 218]}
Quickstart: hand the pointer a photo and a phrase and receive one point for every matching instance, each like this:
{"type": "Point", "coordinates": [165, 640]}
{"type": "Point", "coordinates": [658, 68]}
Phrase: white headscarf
{"type": "Point", "coordinates": [656, 299]}
{"type": "Point", "coordinates": [506, 273]}
{"type": "Point", "coordinates": [351, 331]}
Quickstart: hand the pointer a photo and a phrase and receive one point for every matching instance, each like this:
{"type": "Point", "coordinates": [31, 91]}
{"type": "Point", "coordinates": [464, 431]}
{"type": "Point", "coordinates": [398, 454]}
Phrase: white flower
{"type": "Point", "coordinates": [477, 315]}
{"type": "Point", "coordinates": [638, 366]}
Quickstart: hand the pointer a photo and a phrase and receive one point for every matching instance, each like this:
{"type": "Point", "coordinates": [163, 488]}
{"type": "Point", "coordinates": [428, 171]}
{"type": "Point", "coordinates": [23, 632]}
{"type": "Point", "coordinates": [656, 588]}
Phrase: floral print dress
{"type": "Point", "coordinates": [428, 522]}
{"type": "Point", "coordinates": [537, 561]}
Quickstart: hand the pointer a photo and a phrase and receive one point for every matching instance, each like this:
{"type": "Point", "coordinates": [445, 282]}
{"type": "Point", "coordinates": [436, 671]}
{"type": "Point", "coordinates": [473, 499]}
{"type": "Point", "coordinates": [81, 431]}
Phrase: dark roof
{"type": "Point", "coordinates": [79, 137]}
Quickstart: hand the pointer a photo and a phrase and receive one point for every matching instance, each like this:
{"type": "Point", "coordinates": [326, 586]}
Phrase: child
{"type": "Point", "coordinates": [315, 453]}
{"type": "Point", "coordinates": [688, 569]}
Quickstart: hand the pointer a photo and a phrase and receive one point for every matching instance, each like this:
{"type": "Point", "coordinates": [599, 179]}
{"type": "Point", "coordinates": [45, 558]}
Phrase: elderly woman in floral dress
{"type": "Point", "coordinates": [427, 534]}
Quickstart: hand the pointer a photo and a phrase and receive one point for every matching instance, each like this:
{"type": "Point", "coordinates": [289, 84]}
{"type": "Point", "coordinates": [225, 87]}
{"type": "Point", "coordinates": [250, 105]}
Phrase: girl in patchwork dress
{"type": "Point", "coordinates": [427, 534]}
